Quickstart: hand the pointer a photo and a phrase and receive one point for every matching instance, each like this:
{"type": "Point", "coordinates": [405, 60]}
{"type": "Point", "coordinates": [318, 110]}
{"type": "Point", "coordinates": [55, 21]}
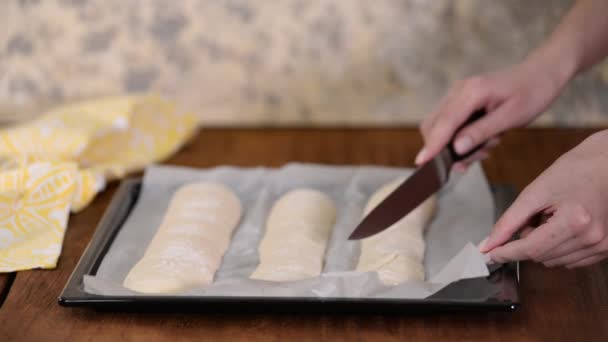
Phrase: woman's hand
{"type": "Point", "coordinates": [512, 97]}
{"type": "Point", "coordinates": [573, 194]}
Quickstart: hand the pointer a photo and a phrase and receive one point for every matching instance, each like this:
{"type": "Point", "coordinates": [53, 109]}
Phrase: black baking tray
{"type": "Point", "coordinates": [497, 292]}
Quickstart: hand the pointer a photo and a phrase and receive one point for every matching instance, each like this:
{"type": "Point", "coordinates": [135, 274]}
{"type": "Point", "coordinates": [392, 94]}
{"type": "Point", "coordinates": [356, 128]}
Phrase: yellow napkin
{"type": "Point", "coordinates": [60, 161]}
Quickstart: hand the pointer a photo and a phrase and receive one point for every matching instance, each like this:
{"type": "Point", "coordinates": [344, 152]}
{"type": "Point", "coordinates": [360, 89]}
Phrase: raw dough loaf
{"type": "Point", "coordinates": [190, 242]}
{"type": "Point", "coordinates": [397, 253]}
{"type": "Point", "coordinates": [297, 231]}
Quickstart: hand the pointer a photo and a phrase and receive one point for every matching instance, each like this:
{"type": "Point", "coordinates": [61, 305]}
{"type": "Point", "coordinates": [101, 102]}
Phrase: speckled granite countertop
{"type": "Point", "coordinates": [300, 62]}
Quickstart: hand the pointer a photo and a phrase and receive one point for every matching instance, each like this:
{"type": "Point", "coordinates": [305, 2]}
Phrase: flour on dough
{"type": "Point", "coordinates": [188, 248]}
{"type": "Point", "coordinates": [397, 253]}
{"type": "Point", "coordinates": [297, 231]}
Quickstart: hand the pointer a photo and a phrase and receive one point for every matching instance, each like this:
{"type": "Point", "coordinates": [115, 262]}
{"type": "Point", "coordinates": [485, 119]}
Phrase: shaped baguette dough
{"type": "Point", "coordinates": [297, 231]}
{"type": "Point", "coordinates": [397, 253]}
{"type": "Point", "coordinates": [190, 242]}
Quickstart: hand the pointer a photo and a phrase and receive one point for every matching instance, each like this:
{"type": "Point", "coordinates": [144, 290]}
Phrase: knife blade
{"type": "Point", "coordinates": [425, 181]}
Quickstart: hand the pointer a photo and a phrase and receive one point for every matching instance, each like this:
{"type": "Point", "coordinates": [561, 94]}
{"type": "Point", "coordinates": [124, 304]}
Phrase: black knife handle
{"type": "Point", "coordinates": [478, 114]}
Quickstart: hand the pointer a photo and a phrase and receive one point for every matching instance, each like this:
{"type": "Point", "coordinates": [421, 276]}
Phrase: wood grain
{"type": "Point", "coordinates": [557, 304]}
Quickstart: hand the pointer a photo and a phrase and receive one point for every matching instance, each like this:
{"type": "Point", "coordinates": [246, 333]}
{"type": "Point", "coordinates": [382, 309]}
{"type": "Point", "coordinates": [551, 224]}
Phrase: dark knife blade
{"type": "Point", "coordinates": [425, 181]}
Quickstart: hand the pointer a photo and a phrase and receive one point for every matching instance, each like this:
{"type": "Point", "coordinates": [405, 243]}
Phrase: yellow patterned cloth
{"type": "Point", "coordinates": [60, 161]}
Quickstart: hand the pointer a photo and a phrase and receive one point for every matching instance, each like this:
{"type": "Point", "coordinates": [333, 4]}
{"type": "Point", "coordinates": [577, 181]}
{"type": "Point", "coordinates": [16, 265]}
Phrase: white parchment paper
{"type": "Point", "coordinates": [464, 217]}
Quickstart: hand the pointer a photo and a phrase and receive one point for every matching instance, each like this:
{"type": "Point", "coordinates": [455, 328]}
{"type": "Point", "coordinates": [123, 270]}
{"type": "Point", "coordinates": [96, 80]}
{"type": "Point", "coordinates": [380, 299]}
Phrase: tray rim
{"type": "Point", "coordinates": [118, 210]}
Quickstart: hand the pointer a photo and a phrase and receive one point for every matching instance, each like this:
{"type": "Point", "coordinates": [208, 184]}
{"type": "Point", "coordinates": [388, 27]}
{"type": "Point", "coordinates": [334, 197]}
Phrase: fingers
{"type": "Point", "coordinates": [567, 237]}
{"type": "Point", "coordinates": [588, 261]}
{"type": "Point", "coordinates": [570, 258]}
{"type": "Point", "coordinates": [585, 235]}
{"type": "Point", "coordinates": [579, 255]}
{"type": "Point", "coordinates": [564, 249]}
{"type": "Point", "coordinates": [480, 155]}
{"type": "Point", "coordinates": [494, 123]}
{"type": "Point", "coordinates": [462, 101]}
{"type": "Point", "coordinates": [536, 243]}
{"type": "Point", "coordinates": [525, 232]}
{"type": "Point", "coordinates": [528, 203]}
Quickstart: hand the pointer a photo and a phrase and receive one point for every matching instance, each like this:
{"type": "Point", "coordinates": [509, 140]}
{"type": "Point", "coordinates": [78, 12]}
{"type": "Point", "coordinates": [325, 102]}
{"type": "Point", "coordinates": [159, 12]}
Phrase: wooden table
{"type": "Point", "coordinates": [556, 304]}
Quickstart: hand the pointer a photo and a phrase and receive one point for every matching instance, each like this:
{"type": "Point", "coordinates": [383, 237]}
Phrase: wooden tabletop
{"type": "Point", "coordinates": [557, 304]}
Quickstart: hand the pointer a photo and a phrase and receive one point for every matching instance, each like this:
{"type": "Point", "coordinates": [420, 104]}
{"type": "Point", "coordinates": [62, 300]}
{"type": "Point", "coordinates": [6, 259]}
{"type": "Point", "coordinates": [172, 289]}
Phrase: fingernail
{"type": "Point", "coordinates": [420, 156]}
{"type": "Point", "coordinates": [482, 244]}
{"type": "Point", "coordinates": [463, 144]}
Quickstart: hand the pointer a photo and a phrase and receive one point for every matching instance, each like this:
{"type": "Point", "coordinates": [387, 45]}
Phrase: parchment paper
{"type": "Point", "coordinates": [464, 217]}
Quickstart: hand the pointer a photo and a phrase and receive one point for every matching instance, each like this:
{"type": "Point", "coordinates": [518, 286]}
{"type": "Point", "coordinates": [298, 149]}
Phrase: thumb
{"type": "Point", "coordinates": [527, 204]}
{"type": "Point", "coordinates": [492, 124]}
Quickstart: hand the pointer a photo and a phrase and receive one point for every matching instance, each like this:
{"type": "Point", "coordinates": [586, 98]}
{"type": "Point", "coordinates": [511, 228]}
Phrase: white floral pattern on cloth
{"type": "Point", "coordinates": [60, 161]}
{"type": "Point", "coordinates": [288, 62]}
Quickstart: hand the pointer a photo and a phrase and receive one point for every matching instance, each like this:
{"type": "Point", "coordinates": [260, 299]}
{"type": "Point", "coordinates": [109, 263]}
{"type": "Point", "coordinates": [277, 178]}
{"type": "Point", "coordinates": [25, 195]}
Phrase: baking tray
{"type": "Point", "coordinates": [497, 292]}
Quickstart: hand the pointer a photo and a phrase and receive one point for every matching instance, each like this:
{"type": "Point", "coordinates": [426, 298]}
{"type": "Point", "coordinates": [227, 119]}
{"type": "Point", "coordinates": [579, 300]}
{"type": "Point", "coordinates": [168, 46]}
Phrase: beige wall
{"type": "Point", "coordinates": [309, 62]}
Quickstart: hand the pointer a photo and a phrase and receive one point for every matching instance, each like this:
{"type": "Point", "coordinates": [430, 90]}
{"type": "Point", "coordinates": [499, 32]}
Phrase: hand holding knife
{"type": "Point", "coordinates": [424, 182]}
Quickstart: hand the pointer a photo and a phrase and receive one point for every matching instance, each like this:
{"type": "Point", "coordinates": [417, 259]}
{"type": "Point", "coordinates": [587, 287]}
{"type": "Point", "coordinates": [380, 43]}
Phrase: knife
{"type": "Point", "coordinates": [424, 182]}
